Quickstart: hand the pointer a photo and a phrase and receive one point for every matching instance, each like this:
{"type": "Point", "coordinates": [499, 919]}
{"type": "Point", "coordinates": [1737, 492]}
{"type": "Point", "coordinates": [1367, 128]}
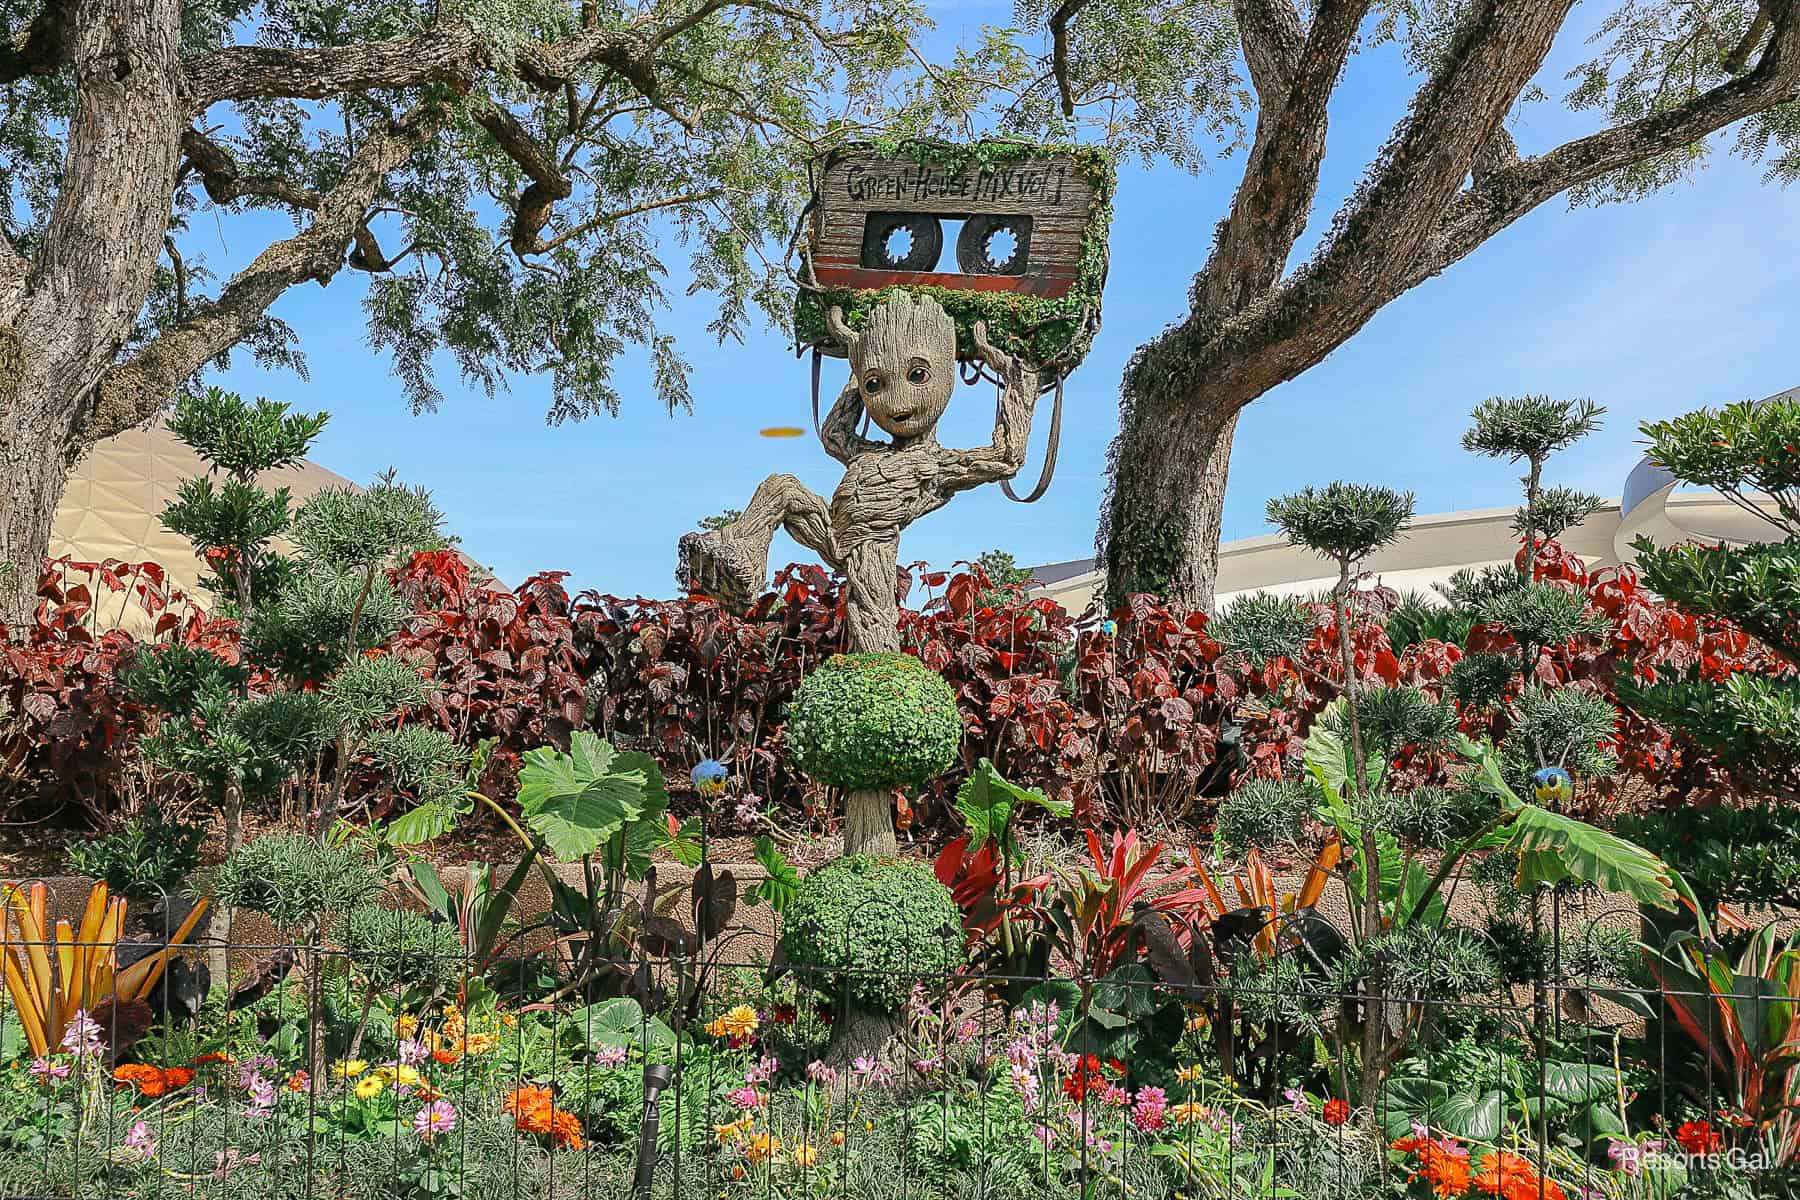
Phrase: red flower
{"type": "Point", "coordinates": [1337, 1111]}
{"type": "Point", "coordinates": [1699, 1137]}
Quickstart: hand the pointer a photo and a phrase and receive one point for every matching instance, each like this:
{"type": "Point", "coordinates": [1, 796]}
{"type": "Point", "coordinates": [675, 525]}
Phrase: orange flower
{"type": "Point", "coordinates": [446, 1057]}
{"type": "Point", "coordinates": [152, 1081]}
{"type": "Point", "coordinates": [299, 1081]}
{"type": "Point", "coordinates": [1337, 1111]}
{"type": "Point", "coordinates": [1511, 1177]}
{"type": "Point", "coordinates": [565, 1130]}
{"type": "Point", "coordinates": [1447, 1173]}
{"type": "Point", "coordinates": [212, 1056]}
{"type": "Point", "coordinates": [532, 1108]}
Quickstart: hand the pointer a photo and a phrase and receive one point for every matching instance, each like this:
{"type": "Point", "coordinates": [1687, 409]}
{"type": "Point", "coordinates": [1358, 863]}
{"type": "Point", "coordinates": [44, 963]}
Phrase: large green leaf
{"type": "Point", "coordinates": [620, 1022]}
{"type": "Point", "coordinates": [987, 802]}
{"type": "Point", "coordinates": [1477, 1116]}
{"type": "Point", "coordinates": [1553, 848]}
{"type": "Point", "coordinates": [578, 800]}
{"type": "Point", "coordinates": [782, 882]}
{"type": "Point", "coordinates": [432, 819]}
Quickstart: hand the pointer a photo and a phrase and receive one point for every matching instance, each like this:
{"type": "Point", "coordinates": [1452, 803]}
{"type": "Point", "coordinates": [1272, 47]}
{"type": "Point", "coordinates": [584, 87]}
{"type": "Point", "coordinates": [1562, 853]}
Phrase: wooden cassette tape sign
{"type": "Point", "coordinates": [879, 222]}
{"type": "Point", "coordinates": [1010, 234]}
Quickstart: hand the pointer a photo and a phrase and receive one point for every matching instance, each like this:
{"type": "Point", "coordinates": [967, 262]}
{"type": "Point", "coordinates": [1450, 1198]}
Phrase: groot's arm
{"type": "Point", "coordinates": [839, 434]}
{"type": "Point", "coordinates": [1002, 459]}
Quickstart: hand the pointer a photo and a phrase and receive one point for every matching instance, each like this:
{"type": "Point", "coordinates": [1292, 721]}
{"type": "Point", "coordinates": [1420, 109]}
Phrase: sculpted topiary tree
{"type": "Point", "coordinates": [870, 723]}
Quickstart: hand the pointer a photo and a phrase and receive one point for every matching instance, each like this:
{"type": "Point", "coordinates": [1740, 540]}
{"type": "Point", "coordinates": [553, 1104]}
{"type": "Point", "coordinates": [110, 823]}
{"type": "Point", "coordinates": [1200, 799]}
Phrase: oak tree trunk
{"type": "Point", "coordinates": [1166, 507]}
{"type": "Point", "coordinates": [34, 468]}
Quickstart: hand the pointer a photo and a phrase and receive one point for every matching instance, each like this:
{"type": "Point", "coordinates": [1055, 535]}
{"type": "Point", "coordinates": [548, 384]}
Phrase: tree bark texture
{"type": "Point", "coordinates": [1450, 178]}
{"type": "Point", "coordinates": [902, 374]}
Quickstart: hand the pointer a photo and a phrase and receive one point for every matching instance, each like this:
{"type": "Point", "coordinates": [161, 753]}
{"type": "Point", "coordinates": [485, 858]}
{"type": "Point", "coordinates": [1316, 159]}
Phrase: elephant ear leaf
{"type": "Point", "coordinates": [1553, 848]}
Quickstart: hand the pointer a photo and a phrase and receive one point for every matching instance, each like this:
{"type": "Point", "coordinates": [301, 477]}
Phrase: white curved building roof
{"type": "Point", "coordinates": [1438, 546]}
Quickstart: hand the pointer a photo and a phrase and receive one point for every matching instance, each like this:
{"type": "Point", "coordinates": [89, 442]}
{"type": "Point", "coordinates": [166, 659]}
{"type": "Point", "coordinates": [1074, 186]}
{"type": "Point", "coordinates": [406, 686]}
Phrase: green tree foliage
{"type": "Point", "coordinates": [1529, 429]}
{"type": "Point", "coordinates": [1750, 454]}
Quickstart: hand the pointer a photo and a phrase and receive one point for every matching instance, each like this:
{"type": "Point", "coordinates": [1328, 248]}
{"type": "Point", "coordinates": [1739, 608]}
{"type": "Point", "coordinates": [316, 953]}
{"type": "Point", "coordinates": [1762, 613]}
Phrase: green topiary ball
{"type": "Point", "coordinates": [869, 721]}
{"type": "Point", "coordinates": [875, 926]}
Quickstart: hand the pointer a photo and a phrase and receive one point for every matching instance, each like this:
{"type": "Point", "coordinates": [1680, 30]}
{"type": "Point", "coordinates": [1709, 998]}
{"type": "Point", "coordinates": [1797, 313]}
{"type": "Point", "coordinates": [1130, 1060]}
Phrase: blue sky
{"type": "Point", "coordinates": [1684, 299]}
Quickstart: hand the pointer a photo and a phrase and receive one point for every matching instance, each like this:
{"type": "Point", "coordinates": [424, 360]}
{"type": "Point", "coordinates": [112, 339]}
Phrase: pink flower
{"type": "Point", "coordinates": [873, 1072]}
{"type": "Point", "coordinates": [437, 1117]}
{"type": "Point", "coordinates": [1115, 1096]}
{"type": "Point", "coordinates": [47, 1069]}
{"type": "Point", "coordinates": [262, 1096]}
{"type": "Point", "coordinates": [763, 1071]}
{"type": "Point", "coordinates": [82, 1037]}
{"type": "Point", "coordinates": [140, 1141]}
{"type": "Point", "coordinates": [1296, 1099]}
{"type": "Point", "coordinates": [1147, 1112]}
{"type": "Point", "coordinates": [610, 1056]}
{"type": "Point", "coordinates": [747, 1097]}
{"type": "Point", "coordinates": [411, 1053]}
{"type": "Point", "coordinates": [821, 1074]}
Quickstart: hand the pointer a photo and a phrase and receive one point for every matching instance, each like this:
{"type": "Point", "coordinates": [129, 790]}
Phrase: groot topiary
{"type": "Point", "coordinates": [870, 723]}
{"type": "Point", "coordinates": [872, 927]}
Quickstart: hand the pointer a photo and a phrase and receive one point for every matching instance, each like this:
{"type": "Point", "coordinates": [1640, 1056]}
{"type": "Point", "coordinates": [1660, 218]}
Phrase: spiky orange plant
{"type": "Point", "coordinates": [84, 973]}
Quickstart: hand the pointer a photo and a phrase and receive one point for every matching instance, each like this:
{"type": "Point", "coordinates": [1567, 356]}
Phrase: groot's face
{"type": "Point", "coordinates": [905, 366]}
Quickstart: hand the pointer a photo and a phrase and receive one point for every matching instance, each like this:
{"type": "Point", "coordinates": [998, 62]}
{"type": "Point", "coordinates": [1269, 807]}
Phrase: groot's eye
{"type": "Point", "coordinates": [919, 376]}
{"type": "Point", "coordinates": [873, 385]}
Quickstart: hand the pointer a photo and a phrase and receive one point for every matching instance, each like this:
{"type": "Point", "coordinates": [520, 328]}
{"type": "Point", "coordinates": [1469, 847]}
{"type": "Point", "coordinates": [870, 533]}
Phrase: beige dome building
{"type": "Point", "coordinates": [112, 507]}
{"type": "Point", "coordinates": [1438, 546]}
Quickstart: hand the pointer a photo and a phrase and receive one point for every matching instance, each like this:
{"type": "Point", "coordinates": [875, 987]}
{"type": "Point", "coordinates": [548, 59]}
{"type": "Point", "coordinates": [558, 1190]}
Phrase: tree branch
{"type": "Point", "coordinates": [225, 185]}
{"type": "Point", "coordinates": [1271, 206]}
{"type": "Point", "coordinates": [1271, 36]}
{"type": "Point", "coordinates": [1065, 13]}
{"type": "Point", "coordinates": [548, 183]}
{"type": "Point", "coordinates": [1505, 195]}
{"type": "Point", "coordinates": [133, 391]}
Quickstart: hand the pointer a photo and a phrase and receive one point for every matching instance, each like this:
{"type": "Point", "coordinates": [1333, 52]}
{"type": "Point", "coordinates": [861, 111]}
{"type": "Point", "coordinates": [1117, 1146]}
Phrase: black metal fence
{"type": "Point", "coordinates": [402, 1056]}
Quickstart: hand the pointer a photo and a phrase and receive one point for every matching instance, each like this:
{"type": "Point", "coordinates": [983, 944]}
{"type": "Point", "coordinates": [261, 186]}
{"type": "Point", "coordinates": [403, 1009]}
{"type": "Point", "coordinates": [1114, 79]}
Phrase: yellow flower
{"type": "Point", "coordinates": [508, 1020]}
{"type": "Point", "coordinates": [405, 1076]}
{"type": "Point", "coordinates": [739, 1022]}
{"type": "Point", "coordinates": [1187, 1114]}
{"type": "Point", "coordinates": [1188, 1074]}
{"type": "Point", "coordinates": [762, 1146]}
{"type": "Point", "coordinates": [405, 1025]}
{"type": "Point", "coordinates": [481, 1043]}
{"type": "Point", "coordinates": [731, 1132]}
{"type": "Point", "coordinates": [371, 1087]}
{"type": "Point", "coordinates": [805, 1155]}
{"type": "Point", "coordinates": [350, 1068]}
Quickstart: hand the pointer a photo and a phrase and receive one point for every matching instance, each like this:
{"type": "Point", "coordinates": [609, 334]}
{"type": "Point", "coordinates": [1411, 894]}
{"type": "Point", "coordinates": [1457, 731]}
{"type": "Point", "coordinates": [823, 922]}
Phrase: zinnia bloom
{"type": "Point", "coordinates": [737, 1024]}
{"type": "Point", "coordinates": [1337, 1111]}
{"type": "Point", "coordinates": [446, 1056]}
{"type": "Point", "coordinates": [1512, 1177]}
{"type": "Point", "coordinates": [437, 1117]}
{"type": "Point", "coordinates": [1699, 1137]}
{"type": "Point", "coordinates": [1187, 1113]}
{"type": "Point", "coordinates": [531, 1108]}
{"type": "Point", "coordinates": [152, 1081]}
{"type": "Point", "coordinates": [565, 1130]}
{"type": "Point", "coordinates": [762, 1146]}
{"type": "Point", "coordinates": [805, 1155]}
{"type": "Point", "coordinates": [299, 1081]}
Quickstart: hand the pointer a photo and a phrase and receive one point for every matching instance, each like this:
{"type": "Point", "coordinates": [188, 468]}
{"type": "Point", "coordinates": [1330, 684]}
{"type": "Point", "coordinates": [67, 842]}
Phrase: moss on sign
{"type": "Point", "coordinates": [1054, 332]}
